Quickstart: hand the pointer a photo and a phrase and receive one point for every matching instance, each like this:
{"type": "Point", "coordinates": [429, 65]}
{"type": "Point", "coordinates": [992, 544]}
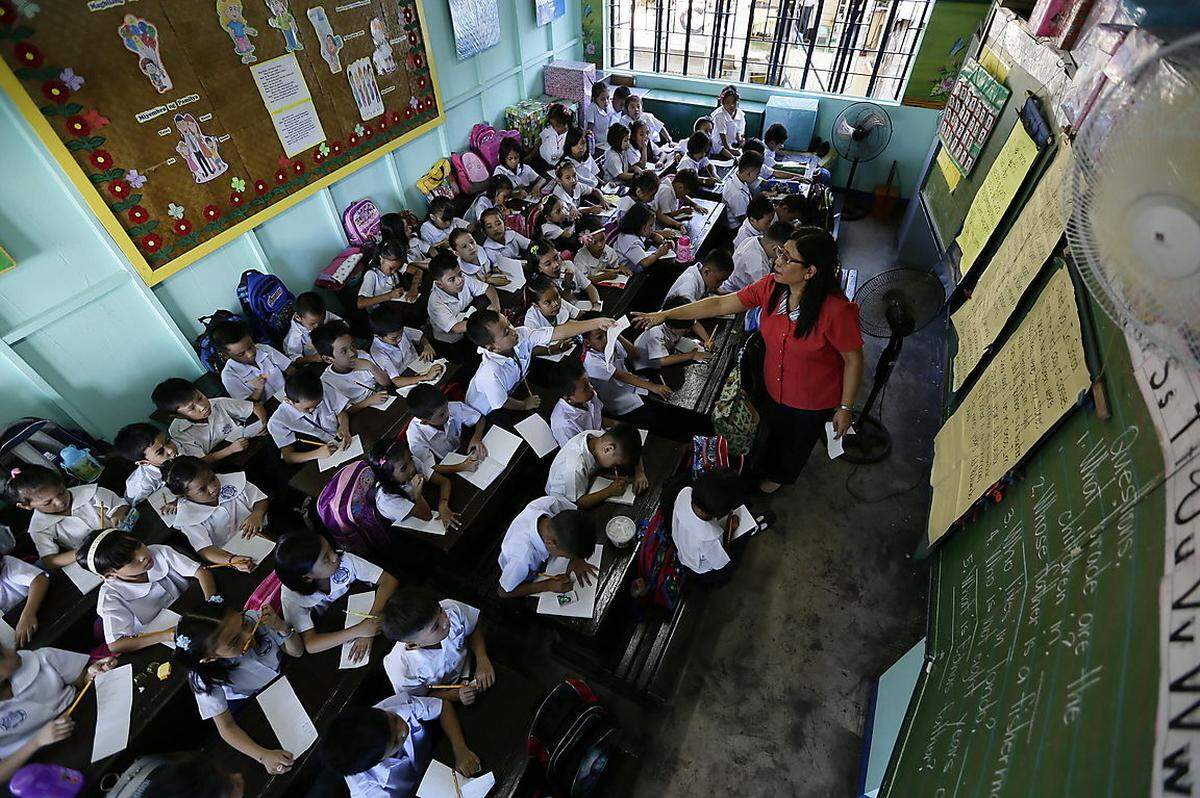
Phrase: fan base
{"type": "Point", "coordinates": [870, 443]}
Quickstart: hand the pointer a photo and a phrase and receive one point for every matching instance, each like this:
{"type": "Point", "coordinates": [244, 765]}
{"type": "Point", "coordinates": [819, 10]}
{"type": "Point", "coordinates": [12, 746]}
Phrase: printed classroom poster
{"type": "Point", "coordinates": [476, 26]}
{"type": "Point", "coordinates": [549, 10]}
{"type": "Point", "coordinates": [183, 124]}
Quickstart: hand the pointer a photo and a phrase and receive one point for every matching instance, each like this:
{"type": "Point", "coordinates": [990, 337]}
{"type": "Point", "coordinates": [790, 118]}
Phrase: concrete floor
{"type": "Point", "coordinates": [773, 697]}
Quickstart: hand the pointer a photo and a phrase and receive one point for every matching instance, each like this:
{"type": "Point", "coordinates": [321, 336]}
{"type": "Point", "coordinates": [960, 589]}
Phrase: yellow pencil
{"type": "Point", "coordinates": [366, 615]}
{"type": "Point", "coordinates": [250, 639]}
{"type": "Point", "coordinates": [79, 697]}
{"type": "Point", "coordinates": [454, 776]}
{"type": "Point", "coordinates": [448, 686]}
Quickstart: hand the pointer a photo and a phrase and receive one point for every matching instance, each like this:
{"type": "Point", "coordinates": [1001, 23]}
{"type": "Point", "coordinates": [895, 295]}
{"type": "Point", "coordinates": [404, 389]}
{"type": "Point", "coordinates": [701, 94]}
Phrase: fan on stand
{"type": "Point", "coordinates": [893, 305]}
{"type": "Point", "coordinates": [1134, 229]}
{"type": "Point", "coordinates": [860, 132]}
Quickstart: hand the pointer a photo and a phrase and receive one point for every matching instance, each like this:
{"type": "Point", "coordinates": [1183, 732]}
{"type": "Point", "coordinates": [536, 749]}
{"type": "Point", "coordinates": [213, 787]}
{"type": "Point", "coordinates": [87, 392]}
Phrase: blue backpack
{"type": "Point", "coordinates": [268, 306]}
{"type": "Point", "coordinates": [208, 353]}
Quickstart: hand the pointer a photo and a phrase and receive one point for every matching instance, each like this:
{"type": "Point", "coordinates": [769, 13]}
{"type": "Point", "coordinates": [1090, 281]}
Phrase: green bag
{"type": "Point", "coordinates": [734, 416]}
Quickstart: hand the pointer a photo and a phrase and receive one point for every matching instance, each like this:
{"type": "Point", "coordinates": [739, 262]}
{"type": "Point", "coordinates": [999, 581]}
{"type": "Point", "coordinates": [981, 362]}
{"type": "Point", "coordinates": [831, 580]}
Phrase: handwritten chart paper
{"type": "Point", "coordinates": [1013, 268]}
{"type": "Point", "coordinates": [114, 702]}
{"type": "Point", "coordinates": [995, 195]}
{"type": "Point", "coordinates": [292, 726]}
{"type": "Point", "coordinates": [1030, 384]}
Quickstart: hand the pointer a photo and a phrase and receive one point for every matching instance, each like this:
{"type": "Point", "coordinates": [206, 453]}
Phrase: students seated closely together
{"type": "Point", "coordinates": [595, 259]}
{"type": "Point", "coordinates": [656, 346]}
{"type": "Point", "coordinates": [672, 202]}
{"type": "Point", "coordinates": [553, 138]}
{"type": "Point", "coordinates": [473, 260]}
{"type": "Point", "coordinates": [792, 209]}
{"type": "Point", "coordinates": [211, 429]}
{"type": "Point", "coordinates": [617, 166]}
{"type": "Point", "coordinates": [574, 285]}
{"type": "Point", "coordinates": [494, 195]}
{"type": "Point", "coordinates": [578, 408]}
{"type": "Point", "coordinates": [310, 313]}
{"type": "Point", "coordinates": [252, 371]}
{"type": "Point", "coordinates": [452, 299]}
{"type": "Point", "coordinates": [635, 236]}
{"type": "Point", "coordinates": [399, 485]}
{"type": "Point", "coordinates": [385, 279]}
{"type": "Point", "coordinates": [435, 230]}
{"type": "Point", "coordinates": [438, 643]}
{"type": "Point", "coordinates": [401, 352]}
{"type": "Point", "coordinates": [696, 157]}
{"type": "Point", "coordinates": [214, 509]}
{"type": "Point", "coordinates": [701, 279]}
{"type": "Point", "coordinates": [62, 517]}
{"type": "Point", "coordinates": [642, 190]}
{"type": "Point", "coordinates": [633, 114]}
{"type": "Point", "coordinates": [558, 223]}
{"type": "Point", "coordinates": [703, 524]}
{"type": "Point", "coordinates": [438, 428]}
{"type": "Point", "coordinates": [615, 453]}
{"type": "Point", "coordinates": [148, 448]}
{"type": "Point", "coordinates": [312, 421]}
{"type": "Point", "coordinates": [525, 181]}
{"type": "Point", "coordinates": [548, 527]}
{"type": "Point", "coordinates": [760, 213]}
{"type": "Point", "coordinates": [599, 114]}
{"type": "Point", "coordinates": [649, 155]}
{"type": "Point", "coordinates": [499, 239]}
{"type": "Point", "coordinates": [753, 258]}
{"type": "Point", "coordinates": [739, 188]}
{"type": "Point", "coordinates": [547, 309]}
{"type": "Point", "coordinates": [574, 194]}
{"type": "Point", "coordinates": [22, 582]}
{"type": "Point", "coordinates": [615, 382]}
{"type": "Point", "coordinates": [729, 124]}
{"type": "Point", "coordinates": [577, 154]}
{"type": "Point", "coordinates": [349, 371]}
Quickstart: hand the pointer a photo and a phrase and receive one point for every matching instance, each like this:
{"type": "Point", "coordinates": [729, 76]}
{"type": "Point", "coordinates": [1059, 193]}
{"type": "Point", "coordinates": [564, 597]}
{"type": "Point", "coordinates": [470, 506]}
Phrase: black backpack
{"type": "Point", "coordinates": [572, 737]}
{"type": "Point", "coordinates": [208, 353]}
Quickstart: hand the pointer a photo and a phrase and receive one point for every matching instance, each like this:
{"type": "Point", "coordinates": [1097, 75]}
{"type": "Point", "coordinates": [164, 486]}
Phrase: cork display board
{"type": "Point", "coordinates": [186, 122]}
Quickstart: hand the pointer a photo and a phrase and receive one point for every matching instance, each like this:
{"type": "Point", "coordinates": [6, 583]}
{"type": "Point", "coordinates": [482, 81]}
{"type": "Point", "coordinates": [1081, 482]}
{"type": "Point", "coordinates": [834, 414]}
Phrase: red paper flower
{"type": "Point", "coordinates": [336, 147]}
{"type": "Point", "coordinates": [28, 55]}
{"type": "Point", "coordinates": [8, 14]}
{"type": "Point", "coordinates": [281, 176]}
{"type": "Point", "coordinates": [236, 198]}
{"type": "Point", "coordinates": [298, 167]}
{"type": "Point", "coordinates": [368, 132]}
{"type": "Point", "coordinates": [413, 39]}
{"type": "Point", "coordinates": [78, 126]}
{"type": "Point", "coordinates": [353, 139]}
{"type": "Point", "coordinates": [119, 189]}
{"type": "Point", "coordinates": [56, 91]}
{"type": "Point", "coordinates": [94, 119]}
{"type": "Point", "coordinates": [415, 60]}
{"type": "Point", "coordinates": [318, 157]}
{"type": "Point", "coordinates": [151, 243]}
{"type": "Point", "coordinates": [138, 214]}
{"type": "Point", "coordinates": [421, 82]}
{"type": "Point", "coordinates": [100, 159]}
{"type": "Point", "coordinates": [408, 16]}
{"type": "Point", "coordinates": [393, 117]}
{"type": "Point", "coordinates": [408, 112]}
{"type": "Point", "coordinates": [260, 186]}
{"type": "Point", "coordinates": [182, 227]}
{"type": "Point", "coordinates": [211, 212]}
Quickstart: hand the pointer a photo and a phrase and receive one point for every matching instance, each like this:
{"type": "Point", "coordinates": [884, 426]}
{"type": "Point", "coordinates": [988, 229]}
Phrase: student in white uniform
{"type": "Point", "coordinates": [525, 180]}
{"type": "Point", "coordinates": [738, 190]}
{"type": "Point", "coordinates": [62, 516]}
{"type": "Point", "coordinates": [140, 582]}
{"type": "Point", "coordinates": [576, 153]}
{"type": "Point", "coordinates": [633, 114]}
{"type": "Point", "coordinates": [37, 687]}
{"type": "Point", "coordinates": [314, 575]}
{"type": "Point", "coordinates": [656, 345]}
{"type": "Point", "coordinates": [573, 284]}
{"type": "Point", "coordinates": [499, 239]}
{"type": "Point", "coordinates": [435, 230]}
{"type": "Point", "coordinates": [212, 429]}
{"type": "Point", "coordinates": [696, 158]}
{"type": "Point", "coordinates": [451, 300]}
{"type": "Point", "coordinates": [22, 582]}
{"type": "Point", "coordinates": [548, 309]}
{"type": "Point", "coordinates": [386, 278]}
{"type": "Point", "coordinates": [729, 124]}
{"type": "Point", "coordinates": [554, 136]}
{"type": "Point", "coordinates": [147, 447]}
{"type": "Point", "coordinates": [474, 261]}
{"type": "Point", "coordinates": [495, 194]}
{"type": "Point", "coordinates": [672, 203]}
{"type": "Point", "coordinates": [558, 223]}
{"type": "Point", "coordinates": [437, 642]}
{"type": "Point", "coordinates": [595, 259]}
{"type": "Point", "coordinates": [350, 372]}
{"type": "Point", "coordinates": [230, 656]}
{"type": "Point", "coordinates": [400, 488]}
{"type": "Point", "coordinates": [310, 313]}
{"type": "Point", "coordinates": [701, 279]}
{"type": "Point", "coordinates": [614, 453]}
{"type": "Point", "coordinates": [616, 166]}
{"type": "Point", "coordinates": [636, 236]}
{"type": "Point", "coordinates": [575, 195]}
{"type": "Point", "coordinates": [642, 191]}
{"type": "Point", "coordinates": [615, 382]}
{"type": "Point", "coordinates": [548, 527]}
{"type": "Point", "coordinates": [215, 509]}
{"type": "Point", "coordinates": [598, 114]}
{"type": "Point", "coordinates": [384, 751]}
{"type": "Point", "coordinates": [753, 258]}
{"type": "Point", "coordinates": [703, 524]}
{"type": "Point", "coordinates": [252, 371]}
{"type": "Point", "coordinates": [578, 408]}
{"type": "Point", "coordinates": [760, 213]}
{"type": "Point", "coordinates": [401, 352]}
{"type": "Point", "coordinates": [439, 427]}
{"type": "Point", "coordinates": [312, 421]}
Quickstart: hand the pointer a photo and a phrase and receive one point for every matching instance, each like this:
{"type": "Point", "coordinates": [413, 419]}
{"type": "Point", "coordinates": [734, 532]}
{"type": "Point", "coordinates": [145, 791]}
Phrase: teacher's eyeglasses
{"type": "Point", "coordinates": [783, 259]}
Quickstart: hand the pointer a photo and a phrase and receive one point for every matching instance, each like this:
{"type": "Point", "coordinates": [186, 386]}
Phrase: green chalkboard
{"type": "Point", "coordinates": [1043, 619]}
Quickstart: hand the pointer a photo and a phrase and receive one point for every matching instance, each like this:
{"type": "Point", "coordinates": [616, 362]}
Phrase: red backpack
{"type": "Point", "coordinates": [485, 142]}
{"type": "Point", "coordinates": [470, 172]}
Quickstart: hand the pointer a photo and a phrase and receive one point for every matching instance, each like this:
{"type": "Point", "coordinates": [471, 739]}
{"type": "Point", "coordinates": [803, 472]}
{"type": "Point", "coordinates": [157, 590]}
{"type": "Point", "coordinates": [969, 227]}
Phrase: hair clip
{"type": "Point", "coordinates": [216, 599]}
{"type": "Point", "coordinates": [183, 641]}
{"type": "Point", "coordinates": [14, 472]}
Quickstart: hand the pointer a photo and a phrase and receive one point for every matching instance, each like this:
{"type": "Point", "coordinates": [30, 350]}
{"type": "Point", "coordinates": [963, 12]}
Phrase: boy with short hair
{"type": "Point", "coordinates": [656, 345]}
{"type": "Point", "coordinates": [643, 189]}
{"type": "Point", "coordinates": [199, 425]}
{"type": "Point", "coordinates": [617, 449]}
{"type": "Point", "coordinates": [578, 408]}
{"type": "Point", "coordinates": [311, 413]}
{"type": "Point", "coordinates": [437, 430]}
{"type": "Point", "coordinates": [696, 159]}
{"type": "Point", "coordinates": [310, 313]}
{"type": "Point", "coordinates": [350, 372]}
{"type": "Point", "coordinates": [252, 371]}
{"type": "Point", "coordinates": [451, 298]}
{"type": "Point", "coordinates": [615, 383]}
{"type": "Point", "coordinates": [672, 201]}
{"type": "Point", "coordinates": [792, 209]}
{"type": "Point", "coordinates": [397, 349]}
{"type": "Point", "coordinates": [499, 239]}
{"type": "Point", "coordinates": [753, 259]}
{"type": "Point", "coordinates": [148, 448]}
{"type": "Point", "coordinates": [739, 189]}
{"type": "Point", "coordinates": [703, 523]}
{"type": "Point", "coordinates": [548, 527]}
{"type": "Point", "coordinates": [473, 260]}
{"type": "Point", "coordinates": [759, 214]}
{"type": "Point", "coordinates": [701, 279]}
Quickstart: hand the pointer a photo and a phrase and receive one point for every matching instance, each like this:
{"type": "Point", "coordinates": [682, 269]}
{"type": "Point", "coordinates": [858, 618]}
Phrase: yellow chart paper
{"type": "Point", "coordinates": [997, 192]}
{"type": "Point", "coordinates": [949, 170]}
{"type": "Point", "coordinates": [1012, 269]}
{"type": "Point", "coordinates": [1030, 384]}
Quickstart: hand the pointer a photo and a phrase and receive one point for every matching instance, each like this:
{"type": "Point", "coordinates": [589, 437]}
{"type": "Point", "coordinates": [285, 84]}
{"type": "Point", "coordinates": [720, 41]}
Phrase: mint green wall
{"type": "Point", "coordinates": [82, 339]}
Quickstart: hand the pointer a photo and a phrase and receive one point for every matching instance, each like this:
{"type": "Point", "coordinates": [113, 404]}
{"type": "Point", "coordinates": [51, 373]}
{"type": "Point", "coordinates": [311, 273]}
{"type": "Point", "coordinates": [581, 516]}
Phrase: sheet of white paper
{"type": "Point", "coordinates": [84, 579]}
{"type": "Point", "coordinates": [600, 483]}
{"type": "Point", "coordinates": [619, 281]}
{"type": "Point", "coordinates": [685, 345]}
{"type": "Point", "coordinates": [720, 163]}
{"type": "Point", "coordinates": [287, 716]}
{"type": "Point", "coordinates": [582, 304]}
{"type": "Point", "coordinates": [835, 446]}
{"type": "Point", "coordinates": [746, 522]}
{"type": "Point", "coordinates": [8, 635]}
{"type": "Point", "coordinates": [613, 333]}
{"type": "Point", "coordinates": [419, 366]}
{"type": "Point", "coordinates": [501, 446]}
{"type": "Point", "coordinates": [433, 526]}
{"type": "Point", "coordinates": [439, 783]}
{"type": "Point", "coordinates": [166, 619]}
{"type": "Point", "coordinates": [557, 356]}
{"type": "Point", "coordinates": [359, 602]}
{"type": "Point", "coordinates": [385, 404]}
{"type": "Point", "coordinates": [537, 434]}
{"type": "Point", "coordinates": [256, 547]}
{"type": "Point", "coordinates": [351, 452]}
{"type": "Point", "coordinates": [512, 269]}
{"type": "Point", "coordinates": [252, 429]}
{"type": "Point", "coordinates": [158, 500]}
{"type": "Point", "coordinates": [580, 602]}
{"type": "Point", "coordinates": [645, 433]}
{"type": "Point", "coordinates": [114, 702]}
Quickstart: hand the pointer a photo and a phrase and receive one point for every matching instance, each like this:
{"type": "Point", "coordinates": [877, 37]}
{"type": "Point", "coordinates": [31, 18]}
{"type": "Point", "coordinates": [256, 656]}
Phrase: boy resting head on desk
{"type": "Point", "coordinates": [548, 527]}
{"type": "Point", "coordinates": [617, 450]}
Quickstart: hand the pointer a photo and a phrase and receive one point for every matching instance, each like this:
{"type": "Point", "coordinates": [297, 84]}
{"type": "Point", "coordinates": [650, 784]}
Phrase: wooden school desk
{"type": "Point", "coordinates": [696, 385]}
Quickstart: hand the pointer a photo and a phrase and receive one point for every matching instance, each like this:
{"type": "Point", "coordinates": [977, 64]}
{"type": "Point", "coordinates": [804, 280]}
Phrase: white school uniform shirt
{"type": "Point", "coordinates": [736, 196]}
{"type": "Point", "coordinates": [698, 167]}
{"type": "Point", "coordinates": [399, 775]}
{"type": "Point", "coordinates": [689, 285]}
{"type": "Point", "coordinates": [320, 423]}
{"type": "Point", "coordinates": [237, 377]}
{"type": "Point", "coordinates": [522, 552]}
{"type": "Point", "coordinates": [632, 250]}
{"type": "Point", "coordinates": [552, 231]}
{"type": "Point", "coordinates": [431, 234]}
{"type": "Point", "coordinates": [567, 420]}
{"type": "Point", "coordinates": [615, 164]}
{"type": "Point", "coordinates": [375, 282]}
{"type": "Point", "coordinates": [298, 607]}
{"type": "Point", "coordinates": [655, 344]}
{"type": "Point", "coordinates": [477, 270]}
{"type": "Point", "coordinates": [524, 177]}
{"type": "Point", "coordinates": [15, 578]}
{"type": "Point", "coordinates": [551, 146]}
{"type": "Point", "coordinates": [394, 359]}
{"type": "Point", "coordinates": [732, 126]}
{"type": "Point", "coordinates": [481, 204]}
{"type": "Point", "coordinates": [298, 340]}
{"type": "Point", "coordinates": [535, 319]}
{"type": "Point", "coordinates": [588, 264]}
{"type": "Point", "coordinates": [144, 480]}
{"type": "Point", "coordinates": [698, 541]}
{"type": "Point", "coordinates": [429, 444]}
{"type": "Point", "coordinates": [43, 686]}
{"type": "Point", "coordinates": [54, 533]}
{"type": "Point", "coordinates": [572, 280]}
{"type": "Point", "coordinates": [769, 157]}
{"type": "Point", "coordinates": [652, 123]}
{"type": "Point", "coordinates": [413, 670]}
{"type": "Point", "coordinates": [587, 170]}
{"type": "Point", "coordinates": [392, 506]}
{"type": "Point", "coordinates": [618, 397]}
{"type": "Point", "coordinates": [665, 200]}
{"type": "Point", "coordinates": [498, 375]}
{"type": "Point", "coordinates": [570, 198]}
{"type": "Point", "coordinates": [747, 230]}
{"type": "Point", "coordinates": [125, 607]}
{"type": "Point", "coordinates": [215, 525]}
{"type": "Point", "coordinates": [248, 674]}
{"type": "Point", "coordinates": [573, 467]}
{"type": "Point", "coordinates": [445, 310]}
{"type": "Point", "coordinates": [599, 118]}
{"type": "Point", "coordinates": [355, 385]}
{"type": "Point", "coordinates": [750, 264]}
{"type": "Point", "coordinates": [514, 244]}
{"type": "Point", "coordinates": [224, 423]}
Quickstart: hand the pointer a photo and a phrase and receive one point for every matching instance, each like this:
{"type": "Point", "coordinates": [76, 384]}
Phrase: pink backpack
{"type": "Point", "coordinates": [344, 266]}
{"type": "Point", "coordinates": [470, 172]}
{"type": "Point", "coordinates": [269, 591]}
{"type": "Point", "coordinates": [347, 509]}
{"type": "Point", "coordinates": [485, 142]}
{"type": "Point", "coordinates": [360, 220]}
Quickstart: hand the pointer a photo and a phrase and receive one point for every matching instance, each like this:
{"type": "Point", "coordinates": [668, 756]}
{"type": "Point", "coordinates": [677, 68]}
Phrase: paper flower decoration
{"type": "Point", "coordinates": [119, 189]}
{"type": "Point", "coordinates": [353, 139]}
{"type": "Point", "coordinates": [175, 211]}
{"type": "Point", "coordinates": [152, 243]}
{"type": "Point", "coordinates": [281, 176]}
{"type": "Point", "coordinates": [298, 167]}
{"type": "Point", "coordinates": [74, 82]}
{"type": "Point", "coordinates": [28, 55]}
{"type": "Point", "coordinates": [337, 147]}
{"type": "Point", "coordinates": [358, 129]}
{"type": "Point", "coordinates": [324, 149]}
{"type": "Point", "coordinates": [260, 186]}
{"type": "Point", "coordinates": [138, 214]}
{"type": "Point", "coordinates": [56, 91]}
{"type": "Point", "coordinates": [135, 178]}
{"type": "Point", "coordinates": [78, 126]}
{"type": "Point", "coordinates": [182, 227]}
{"type": "Point", "coordinates": [236, 199]}
{"type": "Point", "coordinates": [211, 212]}
{"type": "Point", "coordinates": [94, 119]}
{"type": "Point", "coordinates": [100, 159]}
{"type": "Point", "coordinates": [237, 184]}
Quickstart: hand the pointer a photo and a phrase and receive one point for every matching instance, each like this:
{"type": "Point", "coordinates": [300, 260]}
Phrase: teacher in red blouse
{"type": "Point", "coordinates": [813, 349]}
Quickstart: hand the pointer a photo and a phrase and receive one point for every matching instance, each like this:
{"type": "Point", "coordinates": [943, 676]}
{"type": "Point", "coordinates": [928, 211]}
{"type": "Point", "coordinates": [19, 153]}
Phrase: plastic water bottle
{"type": "Point", "coordinates": [683, 250]}
{"type": "Point", "coordinates": [81, 463]}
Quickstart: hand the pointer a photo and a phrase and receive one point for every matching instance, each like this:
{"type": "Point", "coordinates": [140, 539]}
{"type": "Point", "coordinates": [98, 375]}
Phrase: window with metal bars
{"type": "Point", "coordinates": [860, 48]}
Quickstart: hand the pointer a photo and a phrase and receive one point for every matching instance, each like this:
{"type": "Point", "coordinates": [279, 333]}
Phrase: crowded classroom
{"type": "Point", "coordinates": [422, 399]}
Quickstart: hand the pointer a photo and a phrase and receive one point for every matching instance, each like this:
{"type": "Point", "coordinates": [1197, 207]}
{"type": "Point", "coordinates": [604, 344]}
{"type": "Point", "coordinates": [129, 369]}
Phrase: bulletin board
{"type": "Point", "coordinates": [186, 122]}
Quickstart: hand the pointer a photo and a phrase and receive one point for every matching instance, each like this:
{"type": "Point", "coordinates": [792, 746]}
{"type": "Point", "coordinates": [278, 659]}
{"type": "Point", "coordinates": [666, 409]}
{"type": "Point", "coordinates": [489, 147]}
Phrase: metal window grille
{"type": "Point", "coordinates": [860, 48]}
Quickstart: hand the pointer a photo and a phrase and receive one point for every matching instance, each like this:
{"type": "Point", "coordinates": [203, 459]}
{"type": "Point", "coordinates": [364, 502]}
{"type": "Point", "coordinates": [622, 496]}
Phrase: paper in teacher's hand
{"type": "Point", "coordinates": [501, 445]}
{"type": "Point", "coordinates": [84, 579]}
{"type": "Point", "coordinates": [440, 779]}
{"type": "Point", "coordinates": [580, 602]}
{"type": "Point", "coordinates": [537, 434]}
{"type": "Point", "coordinates": [746, 522]}
{"type": "Point", "coordinates": [292, 726]}
{"type": "Point", "coordinates": [252, 429]}
{"type": "Point", "coordinates": [256, 547]}
{"type": "Point", "coordinates": [351, 452]}
{"type": "Point", "coordinates": [836, 446]}
{"type": "Point", "coordinates": [626, 498]}
{"type": "Point", "coordinates": [514, 270]}
{"type": "Point", "coordinates": [558, 356]}
{"type": "Point", "coordinates": [613, 333]}
{"type": "Point", "coordinates": [358, 603]}
{"type": "Point", "coordinates": [114, 703]}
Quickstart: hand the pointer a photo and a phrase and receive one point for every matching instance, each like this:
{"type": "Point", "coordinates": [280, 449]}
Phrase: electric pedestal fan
{"type": "Point", "coordinates": [893, 305]}
{"type": "Point", "coordinates": [860, 132]}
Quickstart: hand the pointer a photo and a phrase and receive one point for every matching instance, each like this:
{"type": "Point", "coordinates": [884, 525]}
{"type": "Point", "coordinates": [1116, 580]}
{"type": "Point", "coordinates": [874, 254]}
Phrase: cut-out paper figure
{"type": "Point", "coordinates": [141, 38]}
{"type": "Point", "coordinates": [385, 62]}
{"type": "Point", "coordinates": [232, 17]}
{"type": "Point", "coordinates": [361, 76]}
{"type": "Point", "coordinates": [282, 20]}
{"type": "Point", "coordinates": [198, 150]}
{"type": "Point", "coordinates": [331, 43]}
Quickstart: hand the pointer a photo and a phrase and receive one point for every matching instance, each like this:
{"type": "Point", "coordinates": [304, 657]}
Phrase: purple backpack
{"type": "Point", "coordinates": [347, 508]}
{"type": "Point", "coordinates": [46, 781]}
{"type": "Point", "coordinates": [485, 142]}
{"type": "Point", "coordinates": [360, 220]}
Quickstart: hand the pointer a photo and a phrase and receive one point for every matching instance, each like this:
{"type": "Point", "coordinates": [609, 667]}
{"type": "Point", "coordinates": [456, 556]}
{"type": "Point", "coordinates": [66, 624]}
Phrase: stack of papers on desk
{"type": "Point", "coordinates": [501, 446]}
{"type": "Point", "coordinates": [84, 579]}
{"type": "Point", "coordinates": [581, 601]}
{"type": "Point", "coordinates": [686, 345]}
{"type": "Point", "coordinates": [442, 782]}
{"type": "Point", "coordinates": [627, 498]}
{"type": "Point", "coordinates": [166, 619]}
{"type": "Point", "coordinates": [385, 404]}
{"type": "Point", "coordinates": [351, 452]}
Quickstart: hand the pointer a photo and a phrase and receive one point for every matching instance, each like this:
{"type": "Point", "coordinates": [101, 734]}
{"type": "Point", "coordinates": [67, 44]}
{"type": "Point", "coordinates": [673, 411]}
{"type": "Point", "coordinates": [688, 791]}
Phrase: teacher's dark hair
{"type": "Point", "coordinates": [818, 249]}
